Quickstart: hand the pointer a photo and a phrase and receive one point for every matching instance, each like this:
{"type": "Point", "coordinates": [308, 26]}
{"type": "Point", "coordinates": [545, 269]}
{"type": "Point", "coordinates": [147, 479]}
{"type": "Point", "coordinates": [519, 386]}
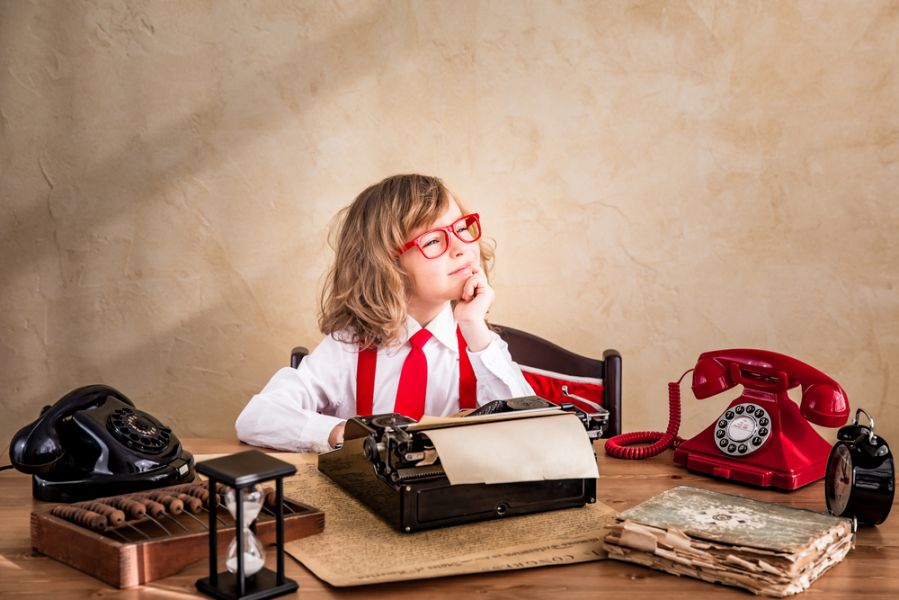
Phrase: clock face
{"type": "Point", "coordinates": [839, 476]}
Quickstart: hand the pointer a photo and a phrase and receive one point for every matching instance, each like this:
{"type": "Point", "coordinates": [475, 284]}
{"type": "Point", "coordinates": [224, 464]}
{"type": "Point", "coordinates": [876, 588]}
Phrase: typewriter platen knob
{"type": "Point", "coordinates": [372, 453]}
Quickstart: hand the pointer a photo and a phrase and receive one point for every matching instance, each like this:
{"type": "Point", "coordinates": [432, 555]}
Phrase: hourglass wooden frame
{"type": "Point", "coordinates": [239, 471]}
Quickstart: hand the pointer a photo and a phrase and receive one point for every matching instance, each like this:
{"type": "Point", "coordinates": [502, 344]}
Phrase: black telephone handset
{"type": "Point", "coordinates": [93, 442]}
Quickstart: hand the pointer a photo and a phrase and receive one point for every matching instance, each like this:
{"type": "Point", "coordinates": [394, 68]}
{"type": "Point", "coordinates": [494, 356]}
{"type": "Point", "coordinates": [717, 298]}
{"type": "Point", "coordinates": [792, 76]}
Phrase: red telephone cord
{"type": "Point", "coordinates": [617, 446]}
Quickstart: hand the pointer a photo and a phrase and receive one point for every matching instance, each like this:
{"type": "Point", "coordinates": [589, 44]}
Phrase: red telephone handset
{"type": "Point", "coordinates": [762, 438]}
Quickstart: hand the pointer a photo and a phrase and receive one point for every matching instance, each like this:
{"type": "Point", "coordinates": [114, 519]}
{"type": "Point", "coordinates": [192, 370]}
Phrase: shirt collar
{"type": "Point", "coordinates": [442, 327]}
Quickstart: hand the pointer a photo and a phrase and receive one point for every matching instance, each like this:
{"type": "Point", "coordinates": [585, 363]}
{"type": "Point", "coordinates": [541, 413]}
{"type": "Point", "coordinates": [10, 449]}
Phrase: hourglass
{"type": "Point", "coordinates": [252, 551]}
{"type": "Point", "coordinates": [246, 575]}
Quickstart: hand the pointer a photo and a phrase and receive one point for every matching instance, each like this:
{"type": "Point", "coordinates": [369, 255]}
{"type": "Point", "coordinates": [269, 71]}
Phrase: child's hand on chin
{"type": "Point", "coordinates": [477, 296]}
{"type": "Point", "coordinates": [471, 311]}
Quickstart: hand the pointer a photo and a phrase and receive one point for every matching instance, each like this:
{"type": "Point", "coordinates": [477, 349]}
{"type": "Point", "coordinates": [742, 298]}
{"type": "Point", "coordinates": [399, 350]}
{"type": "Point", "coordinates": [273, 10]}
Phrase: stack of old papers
{"type": "Point", "coordinates": [766, 548]}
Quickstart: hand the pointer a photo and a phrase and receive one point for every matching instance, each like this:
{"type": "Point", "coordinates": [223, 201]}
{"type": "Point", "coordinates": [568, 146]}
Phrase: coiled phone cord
{"type": "Point", "coordinates": [618, 446]}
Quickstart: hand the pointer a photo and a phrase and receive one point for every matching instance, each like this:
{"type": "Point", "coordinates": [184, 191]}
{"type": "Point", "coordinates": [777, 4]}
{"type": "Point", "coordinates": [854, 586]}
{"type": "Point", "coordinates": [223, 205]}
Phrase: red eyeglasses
{"type": "Point", "coordinates": [435, 242]}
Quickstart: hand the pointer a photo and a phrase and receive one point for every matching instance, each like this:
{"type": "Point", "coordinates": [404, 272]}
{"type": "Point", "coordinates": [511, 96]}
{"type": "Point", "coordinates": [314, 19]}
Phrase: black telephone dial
{"type": "Point", "coordinates": [93, 442]}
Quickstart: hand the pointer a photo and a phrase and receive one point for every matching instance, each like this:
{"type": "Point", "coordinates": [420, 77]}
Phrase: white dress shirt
{"type": "Point", "coordinates": [298, 408]}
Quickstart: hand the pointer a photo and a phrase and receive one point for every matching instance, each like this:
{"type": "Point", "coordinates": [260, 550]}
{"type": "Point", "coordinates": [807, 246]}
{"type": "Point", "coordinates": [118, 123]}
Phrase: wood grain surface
{"type": "Point", "coordinates": [870, 571]}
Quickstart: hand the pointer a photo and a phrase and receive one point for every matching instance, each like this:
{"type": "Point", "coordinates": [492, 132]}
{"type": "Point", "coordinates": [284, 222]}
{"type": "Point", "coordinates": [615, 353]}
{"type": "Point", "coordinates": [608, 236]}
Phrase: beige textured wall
{"type": "Point", "coordinates": [664, 178]}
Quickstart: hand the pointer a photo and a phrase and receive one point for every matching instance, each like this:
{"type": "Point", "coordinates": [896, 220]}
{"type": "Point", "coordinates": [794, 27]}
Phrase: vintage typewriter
{"type": "Point", "coordinates": [396, 472]}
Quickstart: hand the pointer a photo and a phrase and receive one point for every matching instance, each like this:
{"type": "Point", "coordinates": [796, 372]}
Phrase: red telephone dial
{"type": "Point", "coordinates": [763, 438]}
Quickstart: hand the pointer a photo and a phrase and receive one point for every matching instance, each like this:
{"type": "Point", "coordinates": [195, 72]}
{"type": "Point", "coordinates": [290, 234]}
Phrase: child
{"type": "Point", "coordinates": [404, 309]}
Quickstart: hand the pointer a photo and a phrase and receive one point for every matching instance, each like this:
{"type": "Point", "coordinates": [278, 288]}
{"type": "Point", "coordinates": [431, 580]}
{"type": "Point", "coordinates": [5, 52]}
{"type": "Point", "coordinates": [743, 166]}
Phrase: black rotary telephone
{"type": "Point", "coordinates": [93, 442]}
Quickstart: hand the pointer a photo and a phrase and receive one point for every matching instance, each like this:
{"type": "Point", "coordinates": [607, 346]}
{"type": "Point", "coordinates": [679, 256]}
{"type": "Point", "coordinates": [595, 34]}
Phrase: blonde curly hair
{"type": "Point", "coordinates": [363, 301]}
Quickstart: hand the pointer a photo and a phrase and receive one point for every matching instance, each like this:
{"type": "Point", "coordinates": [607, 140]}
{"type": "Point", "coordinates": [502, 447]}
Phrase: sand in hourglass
{"type": "Point", "coordinates": [253, 552]}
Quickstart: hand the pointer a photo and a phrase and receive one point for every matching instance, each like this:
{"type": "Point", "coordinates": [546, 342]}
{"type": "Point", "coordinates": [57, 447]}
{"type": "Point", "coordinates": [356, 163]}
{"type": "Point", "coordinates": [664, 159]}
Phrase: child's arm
{"type": "Point", "coordinates": [299, 408]}
{"type": "Point", "coordinates": [498, 376]}
{"type": "Point", "coordinates": [471, 312]}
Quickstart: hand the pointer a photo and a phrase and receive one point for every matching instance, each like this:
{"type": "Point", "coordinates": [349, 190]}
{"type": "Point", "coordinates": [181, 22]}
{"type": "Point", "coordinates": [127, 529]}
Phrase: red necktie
{"type": "Point", "coordinates": [410, 396]}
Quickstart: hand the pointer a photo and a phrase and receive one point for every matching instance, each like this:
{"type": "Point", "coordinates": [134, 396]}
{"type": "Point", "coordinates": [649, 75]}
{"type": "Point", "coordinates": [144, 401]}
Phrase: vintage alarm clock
{"type": "Point", "coordinates": [860, 478]}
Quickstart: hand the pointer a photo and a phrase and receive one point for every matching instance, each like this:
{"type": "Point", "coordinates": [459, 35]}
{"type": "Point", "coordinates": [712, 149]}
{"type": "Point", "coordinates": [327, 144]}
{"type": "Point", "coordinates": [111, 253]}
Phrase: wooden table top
{"type": "Point", "coordinates": [871, 570]}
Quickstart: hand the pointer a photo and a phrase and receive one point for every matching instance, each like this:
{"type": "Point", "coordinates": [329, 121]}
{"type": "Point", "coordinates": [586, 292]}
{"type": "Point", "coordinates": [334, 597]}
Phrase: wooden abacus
{"type": "Point", "coordinates": [131, 539]}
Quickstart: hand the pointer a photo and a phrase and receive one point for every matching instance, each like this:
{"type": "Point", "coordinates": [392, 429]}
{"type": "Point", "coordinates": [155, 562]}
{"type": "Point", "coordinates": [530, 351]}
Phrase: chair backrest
{"type": "Point", "coordinates": [297, 354]}
{"type": "Point", "coordinates": [547, 367]}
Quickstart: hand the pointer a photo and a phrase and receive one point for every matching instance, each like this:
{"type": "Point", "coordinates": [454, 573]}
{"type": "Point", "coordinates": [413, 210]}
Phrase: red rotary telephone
{"type": "Point", "coordinates": [763, 438]}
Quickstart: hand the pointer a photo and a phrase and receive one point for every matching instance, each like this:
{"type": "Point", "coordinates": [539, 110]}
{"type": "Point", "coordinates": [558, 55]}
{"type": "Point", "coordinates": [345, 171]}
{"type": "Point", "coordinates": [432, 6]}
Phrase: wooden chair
{"type": "Point", "coordinates": [557, 374]}
{"type": "Point", "coordinates": [552, 370]}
